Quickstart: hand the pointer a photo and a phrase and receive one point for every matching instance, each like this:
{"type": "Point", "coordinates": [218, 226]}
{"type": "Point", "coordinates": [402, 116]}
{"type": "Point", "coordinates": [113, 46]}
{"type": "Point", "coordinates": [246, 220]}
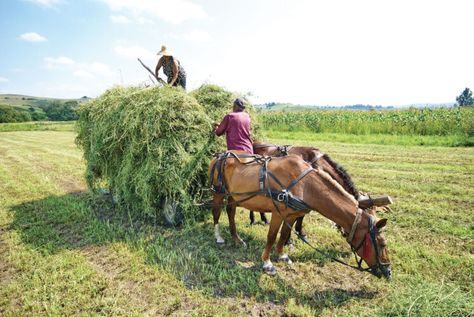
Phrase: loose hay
{"type": "Point", "coordinates": [153, 145]}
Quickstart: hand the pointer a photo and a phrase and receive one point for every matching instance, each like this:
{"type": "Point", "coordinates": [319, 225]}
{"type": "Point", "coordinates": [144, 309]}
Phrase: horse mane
{"type": "Point", "coordinates": [341, 171]}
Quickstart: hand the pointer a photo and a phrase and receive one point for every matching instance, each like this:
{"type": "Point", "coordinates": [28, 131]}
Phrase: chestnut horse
{"type": "Point", "coordinates": [288, 187]}
{"type": "Point", "coordinates": [315, 158]}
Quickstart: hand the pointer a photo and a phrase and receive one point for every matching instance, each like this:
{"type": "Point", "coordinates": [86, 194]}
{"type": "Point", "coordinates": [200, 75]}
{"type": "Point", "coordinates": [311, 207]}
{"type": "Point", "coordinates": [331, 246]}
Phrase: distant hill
{"type": "Point", "coordinates": [19, 108]}
{"type": "Point", "coordinates": [24, 102]}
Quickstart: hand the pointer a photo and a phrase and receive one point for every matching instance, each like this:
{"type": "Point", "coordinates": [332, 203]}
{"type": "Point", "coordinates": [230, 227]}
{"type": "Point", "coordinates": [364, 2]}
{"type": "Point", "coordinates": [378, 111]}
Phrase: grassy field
{"type": "Point", "coordinates": [38, 126]}
{"type": "Point", "coordinates": [66, 252]}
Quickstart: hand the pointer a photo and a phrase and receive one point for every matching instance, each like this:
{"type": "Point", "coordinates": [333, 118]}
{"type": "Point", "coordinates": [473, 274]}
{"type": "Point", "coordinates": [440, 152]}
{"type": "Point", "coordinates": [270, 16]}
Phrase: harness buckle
{"type": "Point", "coordinates": [283, 196]}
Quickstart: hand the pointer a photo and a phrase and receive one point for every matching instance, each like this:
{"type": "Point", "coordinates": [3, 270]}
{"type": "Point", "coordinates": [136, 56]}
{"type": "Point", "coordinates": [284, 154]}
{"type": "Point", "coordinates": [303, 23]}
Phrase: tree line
{"type": "Point", "coordinates": [465, 99]}
{"type": "Point", "coordinates": [48, 111]}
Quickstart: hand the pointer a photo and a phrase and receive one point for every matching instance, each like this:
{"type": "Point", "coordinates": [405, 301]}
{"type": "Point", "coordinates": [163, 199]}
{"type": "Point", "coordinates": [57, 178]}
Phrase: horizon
{"type": "Point", "coordinates": [260, 105]}
{"type": "Point", "coordinates": [299, 52]}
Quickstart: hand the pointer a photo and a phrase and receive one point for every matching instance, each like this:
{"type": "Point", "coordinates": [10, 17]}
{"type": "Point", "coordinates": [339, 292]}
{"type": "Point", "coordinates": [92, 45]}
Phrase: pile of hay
{"type": "Point", "coordinates": [151, 147]}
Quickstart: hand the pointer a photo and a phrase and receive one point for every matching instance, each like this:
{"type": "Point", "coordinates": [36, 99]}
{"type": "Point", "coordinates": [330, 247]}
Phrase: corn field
{"type": "Point", "coordinates": [438, 121]}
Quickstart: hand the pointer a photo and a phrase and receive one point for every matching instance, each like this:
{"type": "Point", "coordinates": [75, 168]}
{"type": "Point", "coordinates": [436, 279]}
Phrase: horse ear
{"type": "Point", "coordinates": [381, 223]}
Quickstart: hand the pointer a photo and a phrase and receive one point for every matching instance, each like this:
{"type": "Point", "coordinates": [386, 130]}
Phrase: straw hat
{"type": "Point", "coordinates": [164, 51]}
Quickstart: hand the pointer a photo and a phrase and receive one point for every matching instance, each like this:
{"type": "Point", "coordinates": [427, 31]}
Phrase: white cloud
{"type": "Point", "coordinates": [61, 89]}
{"type": "Point", "coordinates": [58, 62]}
{"type": "Point", "coordinates": [197, 36]}
{"type": "Point", "coordinates": [33, 37]}
{"type": "Point", "coordinates": [79, 69]}
{"type": "Point", "coordinates": [120, 19]}
{"type": "Point", "coordinates": [142, 20]}
{"type": "Point", "coordinates": [175, 11]}
{"type": "Point", "coordinates": [46, 3]}
{"type": "Point", "coordinates": [99, 69]}
{"type": "Point", "coordinates": [82, 73]}
{"type": "Point", "coordinates": [191, 36]}
{"type": "Point", "coordinates": [3, 80]}
{"type": "Point", "coordinates": [134, 52]}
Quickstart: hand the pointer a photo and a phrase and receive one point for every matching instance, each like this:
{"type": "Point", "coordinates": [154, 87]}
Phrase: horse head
{"type": "Point", "coordinates": [362, 229]}
{"type": "Point", "coordinates": [368, 242]}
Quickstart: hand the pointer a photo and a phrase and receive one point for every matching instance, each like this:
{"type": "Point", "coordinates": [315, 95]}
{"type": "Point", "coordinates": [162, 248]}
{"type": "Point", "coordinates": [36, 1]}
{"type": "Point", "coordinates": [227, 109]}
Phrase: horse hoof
{"type": "Point", "coordinates": [220, 242]}
{"type": "Point", "coordinates": [270, 270]}
{"type": "Point", "coordinates": [252, 223]}
{"type": "Point", "coordinates": [285, 258]}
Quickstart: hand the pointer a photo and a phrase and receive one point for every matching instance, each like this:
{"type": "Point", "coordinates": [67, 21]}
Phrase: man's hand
{"type": "Point", "coordinates": [214, 126]}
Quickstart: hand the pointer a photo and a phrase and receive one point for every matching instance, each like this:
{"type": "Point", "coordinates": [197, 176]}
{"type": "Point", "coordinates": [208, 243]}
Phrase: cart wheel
{"type": "Point", "coordinates": [172, 212]}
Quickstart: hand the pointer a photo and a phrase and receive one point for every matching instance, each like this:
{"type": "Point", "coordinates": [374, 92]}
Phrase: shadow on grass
{"type": "Point", "coordinates": [80, 220]}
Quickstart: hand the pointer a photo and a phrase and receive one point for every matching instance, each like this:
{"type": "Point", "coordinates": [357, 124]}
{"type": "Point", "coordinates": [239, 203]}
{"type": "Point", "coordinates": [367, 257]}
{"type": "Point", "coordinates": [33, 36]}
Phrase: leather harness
{"type": "Point", "coordinates": [283, 196]}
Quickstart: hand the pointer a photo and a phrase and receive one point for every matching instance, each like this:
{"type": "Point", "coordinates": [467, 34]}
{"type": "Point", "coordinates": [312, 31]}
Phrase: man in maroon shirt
{"type": "Point", "coordinates": [236, 126]}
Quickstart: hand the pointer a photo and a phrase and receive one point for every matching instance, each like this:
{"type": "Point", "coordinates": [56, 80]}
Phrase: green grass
{"type": "Point", "coordinates": [384, 139]}
{"type": "Point", "coordinates": [66, 252]}
{"type": "Point", "coordinates": [38, 126]}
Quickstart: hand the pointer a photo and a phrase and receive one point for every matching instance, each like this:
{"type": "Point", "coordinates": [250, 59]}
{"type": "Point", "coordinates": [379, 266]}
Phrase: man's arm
{"type": "Point", "coordinates": [175, 72]}
{"type": "Point", "coordinates": [220, 130]}
{"type": "Point", "coordinates": [158, 66]}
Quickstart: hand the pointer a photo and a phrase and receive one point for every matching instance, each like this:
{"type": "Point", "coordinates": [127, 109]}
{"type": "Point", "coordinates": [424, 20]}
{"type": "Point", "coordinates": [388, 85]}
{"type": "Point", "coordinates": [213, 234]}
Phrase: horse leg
{"type": "Point", "coordinates": [217, 201]}
{"type": "Point", "coordinates": [299, 227]}
{"type": "Point", "coordinates": [275, 224]}
{"type": "Point", "coordinates": [299, 230]}
{"type": "Point", "coordinates": [264, 218]}
{"type": "Point", "coordinates": [231, 208]}
{"type": "Point", "coordinates": [284, 237]}
{"type": "Point", "coordinates": [252, 218]}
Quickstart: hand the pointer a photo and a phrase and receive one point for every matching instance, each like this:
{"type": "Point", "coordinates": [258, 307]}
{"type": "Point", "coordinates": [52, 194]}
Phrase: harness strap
{"type": "Point", "coordinates": [262, 146]}
{"type": "Point", "coordinates": [284, 196]}
{"type": "Point", "coordinates": [354, 225]}
{"type": "Point", "coordinates": [300, 177]}
{"type": "Point", "coordinates": [316, 158]}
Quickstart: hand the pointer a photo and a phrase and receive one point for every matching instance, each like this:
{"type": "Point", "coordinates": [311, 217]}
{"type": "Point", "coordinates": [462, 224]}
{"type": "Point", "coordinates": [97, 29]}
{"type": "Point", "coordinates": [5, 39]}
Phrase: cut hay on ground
{"type": "Point", "coordinates": [153, 145]}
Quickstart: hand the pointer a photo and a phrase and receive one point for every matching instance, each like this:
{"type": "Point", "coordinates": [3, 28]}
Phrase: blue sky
{"type": "Point", "coordinates": [306, 52]}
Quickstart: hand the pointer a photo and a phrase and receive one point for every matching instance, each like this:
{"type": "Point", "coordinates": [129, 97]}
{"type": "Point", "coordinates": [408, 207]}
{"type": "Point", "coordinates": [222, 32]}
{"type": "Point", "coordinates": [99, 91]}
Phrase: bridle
{"type": "Point", "coordinates": [370, 237]}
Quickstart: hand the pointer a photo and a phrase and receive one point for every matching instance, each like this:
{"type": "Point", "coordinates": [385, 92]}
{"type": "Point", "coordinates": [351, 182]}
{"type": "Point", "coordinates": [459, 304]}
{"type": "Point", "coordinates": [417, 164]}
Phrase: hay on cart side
{"type": "Point", "coordinates": [148, 145]}
{"type": "Point", "coordinates": [218, 102]}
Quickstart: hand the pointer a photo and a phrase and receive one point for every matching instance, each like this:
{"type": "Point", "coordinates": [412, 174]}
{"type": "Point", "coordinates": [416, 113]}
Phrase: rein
{"type": "Point", "coordinates": [354, 250]}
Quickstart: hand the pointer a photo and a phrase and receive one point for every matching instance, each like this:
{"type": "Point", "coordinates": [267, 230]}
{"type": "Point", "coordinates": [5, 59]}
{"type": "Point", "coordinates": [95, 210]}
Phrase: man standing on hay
{"type": "Point", "coordinates": [236, 126]}
{"type": "Point", "coordinates": [171, 67]}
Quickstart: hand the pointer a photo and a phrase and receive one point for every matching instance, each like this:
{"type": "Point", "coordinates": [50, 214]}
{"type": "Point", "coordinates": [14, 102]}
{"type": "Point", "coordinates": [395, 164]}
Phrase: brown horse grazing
{"type": "Point", "coordinates": [316, 159]}
{"type": "Point", "coordinates": [288, 187]}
